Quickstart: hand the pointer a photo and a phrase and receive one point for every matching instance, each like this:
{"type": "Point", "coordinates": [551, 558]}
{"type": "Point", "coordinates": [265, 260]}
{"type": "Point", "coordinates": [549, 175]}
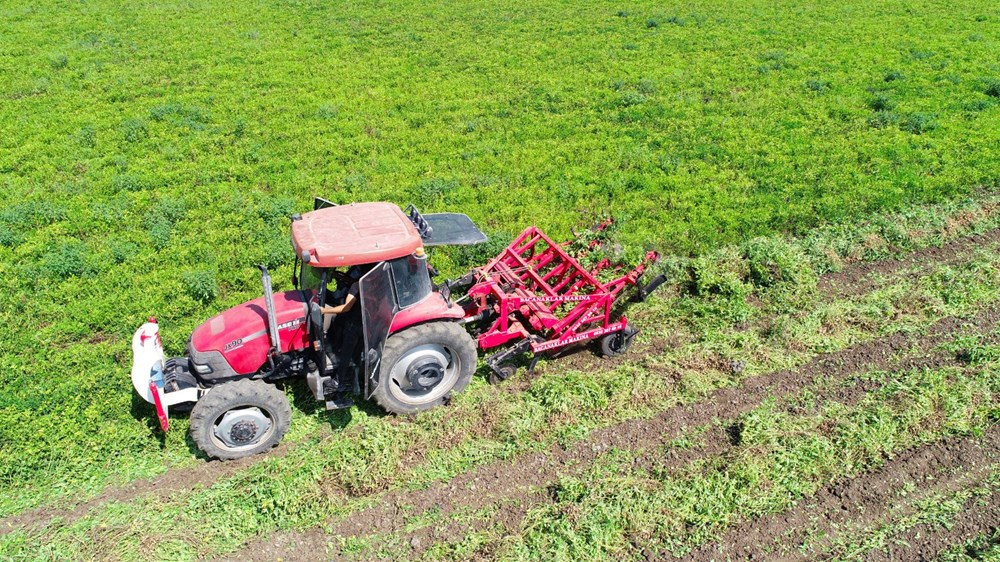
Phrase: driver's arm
{"type": "Point", "coordinates": [352, 296]}
{"type": "Point", "coordinates": [341, 308]}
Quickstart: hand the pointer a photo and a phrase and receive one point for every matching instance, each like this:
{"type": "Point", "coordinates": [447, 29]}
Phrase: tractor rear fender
{"type": "Point", "coordinates": [382, 316]}
{"type": "Point", "coordinates": [432, 307]}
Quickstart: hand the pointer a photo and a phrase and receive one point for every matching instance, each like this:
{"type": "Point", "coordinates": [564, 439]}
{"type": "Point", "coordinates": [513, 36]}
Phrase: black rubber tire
{"type": "Point", "coordinates": [446, 334]}
{"type": "Point", "coordinates": [508, 372]}
{"type": "Point", "coordinates": [239, 394]}
{"type": "Point", "coordinates": [615, 344]}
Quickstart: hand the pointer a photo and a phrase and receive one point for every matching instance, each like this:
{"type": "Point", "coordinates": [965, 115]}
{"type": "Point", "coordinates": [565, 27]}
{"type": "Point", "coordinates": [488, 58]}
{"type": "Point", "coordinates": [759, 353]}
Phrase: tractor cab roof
{"type": "Point", "coordinates": [355, 234]}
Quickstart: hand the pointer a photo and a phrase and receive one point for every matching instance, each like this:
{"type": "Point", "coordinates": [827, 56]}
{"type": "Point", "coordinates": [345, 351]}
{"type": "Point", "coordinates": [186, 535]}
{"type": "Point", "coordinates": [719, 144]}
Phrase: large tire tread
{"type": "Point", "coordinates": [234, 394]}
{"type": "Point", "coordinates": [448, 334]}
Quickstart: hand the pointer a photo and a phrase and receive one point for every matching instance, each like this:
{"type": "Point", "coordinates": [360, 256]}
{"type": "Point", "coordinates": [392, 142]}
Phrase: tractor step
{"type": "Point", "coordinates": [339, 402]}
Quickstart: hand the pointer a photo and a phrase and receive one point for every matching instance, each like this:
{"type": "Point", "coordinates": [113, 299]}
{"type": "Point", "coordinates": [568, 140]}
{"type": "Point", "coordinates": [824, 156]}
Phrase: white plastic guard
{"type": "Point", "coordinates": [147, 360]}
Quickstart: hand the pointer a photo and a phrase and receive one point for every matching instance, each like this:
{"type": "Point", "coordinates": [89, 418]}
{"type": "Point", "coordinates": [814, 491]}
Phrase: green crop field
{"type": "Point", "coordinates": [815, 380]}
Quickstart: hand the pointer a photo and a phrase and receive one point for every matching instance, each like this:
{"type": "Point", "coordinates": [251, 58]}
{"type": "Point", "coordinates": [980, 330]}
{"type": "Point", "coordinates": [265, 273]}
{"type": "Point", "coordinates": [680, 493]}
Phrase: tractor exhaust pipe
{"type": "Point", "coordinates": [272, 322]}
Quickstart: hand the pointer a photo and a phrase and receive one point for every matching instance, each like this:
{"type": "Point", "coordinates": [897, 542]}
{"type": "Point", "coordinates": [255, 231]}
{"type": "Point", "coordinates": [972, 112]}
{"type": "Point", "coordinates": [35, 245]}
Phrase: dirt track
{"type": "Point", "coordinates": [861, 277]}
{"type": "Point", "coordinates": [852, 504]}
{"type": "Point", "coordinates": [519, 482]}
{"type": "Point", "coordinates": [163, 486]}
{"type": "Point", "coordinates": [518, 485]}
{"type": "Point", "coordinates": [927, 542]}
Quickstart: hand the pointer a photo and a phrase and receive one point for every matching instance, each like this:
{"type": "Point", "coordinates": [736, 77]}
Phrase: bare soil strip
{"type": "Point", "coordinates": [162, 486]}
{"type": "Point", "coordinates": [854, 503]}
{"type": "Point", "coordinates": [484, 486]}
{"type": "Point", "coordinates": [927, 542]}
{"type": "Point", "coordinates": [861, 277]}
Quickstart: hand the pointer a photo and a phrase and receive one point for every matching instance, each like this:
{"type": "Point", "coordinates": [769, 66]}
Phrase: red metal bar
{"type": "Point", "coordinates": [534, 276]}
{"type": "Point", "coordinates": [558, 271]}
{"type": "Point", "coordinates": [582, 336]}
{"type": "Point", "coordinates": [539, 291]}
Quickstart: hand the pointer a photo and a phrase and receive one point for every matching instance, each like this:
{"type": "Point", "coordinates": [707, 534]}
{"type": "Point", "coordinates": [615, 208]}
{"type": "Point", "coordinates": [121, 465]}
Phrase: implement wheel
{"type": "Point", "coordinates": [617, 343]}
{"type": "Point", "coordinates": [423, 365]}
{"type": "Point", "coordinates": [501, 373]}
{"type": "Point", "coordinates": [239, 419]}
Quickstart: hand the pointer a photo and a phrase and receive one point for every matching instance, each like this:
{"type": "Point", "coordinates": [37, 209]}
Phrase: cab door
{"type": "Point", "coordinates": [378, 307]}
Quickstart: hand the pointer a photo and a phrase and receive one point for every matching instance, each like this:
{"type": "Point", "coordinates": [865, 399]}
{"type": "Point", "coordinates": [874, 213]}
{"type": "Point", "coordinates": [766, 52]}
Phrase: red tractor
{"type": "Point", "coordinates": [412, 350]}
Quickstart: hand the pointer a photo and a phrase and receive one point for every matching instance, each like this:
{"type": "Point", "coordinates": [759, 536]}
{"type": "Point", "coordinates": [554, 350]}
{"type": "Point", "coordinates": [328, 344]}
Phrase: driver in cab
{"type": "Point", "coordinates": [344, 333]}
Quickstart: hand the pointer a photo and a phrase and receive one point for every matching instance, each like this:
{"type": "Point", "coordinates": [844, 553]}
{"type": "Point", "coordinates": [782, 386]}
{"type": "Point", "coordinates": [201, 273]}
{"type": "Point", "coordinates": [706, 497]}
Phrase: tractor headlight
{"type": "Point", "coordinates": [201, 369]}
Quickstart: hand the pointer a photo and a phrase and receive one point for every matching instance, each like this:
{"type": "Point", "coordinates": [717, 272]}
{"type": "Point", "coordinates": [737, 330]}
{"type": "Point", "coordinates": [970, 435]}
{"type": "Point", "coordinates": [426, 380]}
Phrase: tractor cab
{"type": "Point", "coordinates": [334, 244]}
{"type": "Point", "coordinates": [399, 342]}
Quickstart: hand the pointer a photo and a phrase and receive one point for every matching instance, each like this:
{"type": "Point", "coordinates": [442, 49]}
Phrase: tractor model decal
{"type": "Point", "coordinates": [292, 323]}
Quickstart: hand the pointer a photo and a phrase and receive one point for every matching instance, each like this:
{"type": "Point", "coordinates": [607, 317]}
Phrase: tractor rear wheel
{"type": "Point", "coordinates": [423, 365]}
{"type": "Point", "coordinates": [239, 419]}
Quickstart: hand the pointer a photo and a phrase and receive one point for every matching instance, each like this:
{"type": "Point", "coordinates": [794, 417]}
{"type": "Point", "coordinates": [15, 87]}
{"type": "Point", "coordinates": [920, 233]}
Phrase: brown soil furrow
{"type": "Point", "coordinates": [861, 277]}
{"type": "Point", "coordinates": [484, 486]}
{"type": "Point", "coordinates": [716, 441]}
{"type": "Point", "coordinates": [854, 279]}
{"type": "Point", "coordinates": [853, 504]}
{"type": "Point", "coordinates": [162, 486]}
{"type": "Point", "coordinates": [927, 542]}
{"type": "Point", "coordinates": [721, 437]}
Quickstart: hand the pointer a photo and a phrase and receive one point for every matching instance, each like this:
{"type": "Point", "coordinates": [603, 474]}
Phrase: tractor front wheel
{"type": "Point", "coordinates": [239, 419]}
{"type": "Point", "coordinates": [422, 366]}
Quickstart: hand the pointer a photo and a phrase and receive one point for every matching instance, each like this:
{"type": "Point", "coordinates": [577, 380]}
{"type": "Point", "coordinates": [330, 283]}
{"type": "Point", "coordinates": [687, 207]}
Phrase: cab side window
{"type": "Point", "coordinates": [411, 279]}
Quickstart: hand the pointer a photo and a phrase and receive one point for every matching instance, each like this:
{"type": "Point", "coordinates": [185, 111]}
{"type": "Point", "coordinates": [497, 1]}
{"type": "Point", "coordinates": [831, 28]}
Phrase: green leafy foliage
{"type": "Point", "coordinates": [992, 88]}
{"type": "Point", "coordinates": [775, 262]}
{"type": "Point", "coordinates": [68, 259]}
{"type": "Point", "coordinates": [151, 154]}
{"type": "Point", "coordinates": [920, 123]}
{"type": "Point", "coordinates": [201, 285]}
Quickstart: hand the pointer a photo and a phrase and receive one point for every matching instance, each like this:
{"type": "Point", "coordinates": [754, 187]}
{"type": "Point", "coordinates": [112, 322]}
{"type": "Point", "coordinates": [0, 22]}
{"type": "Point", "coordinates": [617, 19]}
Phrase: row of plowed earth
{"type": "Point", "coordinates": [851, 505]}
{"type": "Point", "coordinates": [222, 473]}
{"type": "Point", "coordinates": [979, 515]}
{"type": "Point", "coordinates": [862, 277]}
{"type": "Point", "coordinates": [519, 483]}
{"type": "Point", "coordinates": [986, 546]}
{"type": "Point", "coordinates": [853, 281]}
{"type": "Point", "coordinates": [174, 481]}
{"type": "Point", "coordinates": [655, 451]}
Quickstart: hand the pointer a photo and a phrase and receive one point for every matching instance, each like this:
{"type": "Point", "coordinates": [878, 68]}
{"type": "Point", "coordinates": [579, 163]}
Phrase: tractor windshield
{"type": "Point", "coordinates": [411, 279]}
{"type": "Point", "coordinates": [311, 278]}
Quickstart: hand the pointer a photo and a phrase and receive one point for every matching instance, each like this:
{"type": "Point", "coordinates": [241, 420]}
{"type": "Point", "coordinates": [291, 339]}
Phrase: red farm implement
{"type": "Point", "coordinates": [364, 319]}
{"type": "Point", "coordinates": [538, 297]}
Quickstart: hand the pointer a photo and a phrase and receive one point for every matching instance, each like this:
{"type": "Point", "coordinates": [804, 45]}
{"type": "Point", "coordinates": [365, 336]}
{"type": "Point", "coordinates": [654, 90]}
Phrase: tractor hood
{"type": "Point", "coordinates": [238, 337]}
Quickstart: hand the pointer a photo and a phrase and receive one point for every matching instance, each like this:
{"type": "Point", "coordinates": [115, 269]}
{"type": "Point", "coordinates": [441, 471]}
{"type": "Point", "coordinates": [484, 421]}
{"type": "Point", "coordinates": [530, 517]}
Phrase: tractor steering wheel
{"type": "Point", "coordinates": [340, 277]}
